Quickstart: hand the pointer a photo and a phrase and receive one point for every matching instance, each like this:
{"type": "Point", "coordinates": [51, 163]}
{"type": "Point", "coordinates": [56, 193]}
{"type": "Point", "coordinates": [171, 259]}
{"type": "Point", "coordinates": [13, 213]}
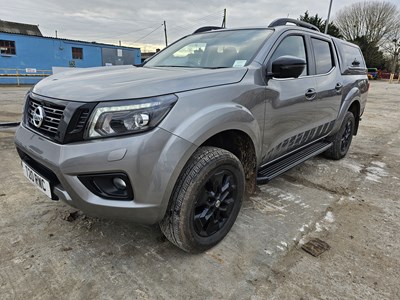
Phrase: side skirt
{"type": "Point", "coordinates": [270, 171]}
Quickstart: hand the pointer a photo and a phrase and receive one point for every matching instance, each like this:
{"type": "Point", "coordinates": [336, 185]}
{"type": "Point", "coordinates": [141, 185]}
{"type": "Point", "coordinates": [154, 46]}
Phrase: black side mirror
{"type": "Point", "coordinates": [288, 66]}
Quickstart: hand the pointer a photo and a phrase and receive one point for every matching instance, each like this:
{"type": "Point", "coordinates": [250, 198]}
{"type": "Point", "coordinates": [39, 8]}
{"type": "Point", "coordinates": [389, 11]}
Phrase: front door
{"type": "Point", "coordinates": [290, 108]}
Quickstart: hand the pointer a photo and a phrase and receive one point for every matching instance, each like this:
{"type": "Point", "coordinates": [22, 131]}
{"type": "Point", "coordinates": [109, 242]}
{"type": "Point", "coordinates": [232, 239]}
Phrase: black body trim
{"type": "Point", "coordinates": [270, 171]}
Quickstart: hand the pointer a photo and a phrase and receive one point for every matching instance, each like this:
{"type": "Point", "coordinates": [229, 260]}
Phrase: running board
{"type": "Point", "coordinates": [270, 171]}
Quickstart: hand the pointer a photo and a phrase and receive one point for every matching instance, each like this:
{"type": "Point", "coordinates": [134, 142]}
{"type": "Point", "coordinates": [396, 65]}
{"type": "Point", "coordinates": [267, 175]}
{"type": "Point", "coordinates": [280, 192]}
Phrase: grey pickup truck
{"type": "Point", "coordinates": [180, 139]}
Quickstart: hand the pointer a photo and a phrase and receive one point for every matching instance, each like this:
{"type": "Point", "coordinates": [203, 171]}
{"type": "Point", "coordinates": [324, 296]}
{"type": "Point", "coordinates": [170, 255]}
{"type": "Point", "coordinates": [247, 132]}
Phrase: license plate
{"type": "Point", "coordinates": [38, 180]}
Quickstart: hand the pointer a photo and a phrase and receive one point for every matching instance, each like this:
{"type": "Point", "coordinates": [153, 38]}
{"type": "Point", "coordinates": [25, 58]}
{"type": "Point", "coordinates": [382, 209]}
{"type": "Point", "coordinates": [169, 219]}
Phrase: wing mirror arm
{"type": "Point", "coordinates": [269, 74]}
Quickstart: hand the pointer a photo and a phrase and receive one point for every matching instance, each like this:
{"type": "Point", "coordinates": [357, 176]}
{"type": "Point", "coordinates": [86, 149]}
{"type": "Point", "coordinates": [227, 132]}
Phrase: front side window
{"type": "Point", "coordinates": [7, 47]}
{"type": "Point", "coordinates": [292, 45]}
{"type": "Point", "coordinates": [77, 53]}
{"type": "Point", "coordinates": [323, 56]}
{"type": "Point", "coordinates": [216, 49]}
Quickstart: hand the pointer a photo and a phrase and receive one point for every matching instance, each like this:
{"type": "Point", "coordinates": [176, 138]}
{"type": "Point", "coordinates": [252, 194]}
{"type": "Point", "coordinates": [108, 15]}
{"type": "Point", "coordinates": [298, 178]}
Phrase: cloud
{"type": "Point", "coordinates": [132, 22]}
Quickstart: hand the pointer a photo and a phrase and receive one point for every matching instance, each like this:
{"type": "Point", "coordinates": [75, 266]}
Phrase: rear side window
{"type": "Point", "coordinates": [323, 56]}
{"type": "Point", "coordinates": [292, 45]}
{"type": "Point", "coordinates": [352, 56]}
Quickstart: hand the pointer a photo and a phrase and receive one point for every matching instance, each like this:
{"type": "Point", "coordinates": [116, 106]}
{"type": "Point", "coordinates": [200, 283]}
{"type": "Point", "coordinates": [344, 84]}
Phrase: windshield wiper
{"type": "Point", "coordinates": [193, 67]}
{"type": "Point", "coordinates": [214, 67]}
{"type": "Point", "coordinates": [173, 66]}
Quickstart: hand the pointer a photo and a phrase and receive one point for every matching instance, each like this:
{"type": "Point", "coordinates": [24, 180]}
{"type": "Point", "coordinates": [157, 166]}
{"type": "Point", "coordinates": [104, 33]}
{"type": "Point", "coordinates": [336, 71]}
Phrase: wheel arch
{"type": "Point", "coordinates": [352, 103]}
{"type": "Point", "coordinates": [241, 145]}
{"type": "Point", "coordinates": [230, 127]}
{"type": "Point", "coordinates": [355, 108]}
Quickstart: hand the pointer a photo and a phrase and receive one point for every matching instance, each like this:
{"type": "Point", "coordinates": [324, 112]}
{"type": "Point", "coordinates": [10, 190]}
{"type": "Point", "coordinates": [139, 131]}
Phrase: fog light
{"type": "Point", "coordinates": [113, 186]}
{"type": "Point", "coordinates": [119, 183]}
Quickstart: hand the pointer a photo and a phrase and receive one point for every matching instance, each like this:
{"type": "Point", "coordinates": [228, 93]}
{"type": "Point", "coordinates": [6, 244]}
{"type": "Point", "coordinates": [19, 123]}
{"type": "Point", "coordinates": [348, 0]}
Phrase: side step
{"type": "Point", "coordinates": [270, 171]}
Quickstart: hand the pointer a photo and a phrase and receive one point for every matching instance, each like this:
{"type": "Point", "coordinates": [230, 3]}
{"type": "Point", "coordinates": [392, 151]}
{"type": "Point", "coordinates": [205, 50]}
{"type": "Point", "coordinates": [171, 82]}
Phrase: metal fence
{"type": "Point", "coordinates": [19, 74]}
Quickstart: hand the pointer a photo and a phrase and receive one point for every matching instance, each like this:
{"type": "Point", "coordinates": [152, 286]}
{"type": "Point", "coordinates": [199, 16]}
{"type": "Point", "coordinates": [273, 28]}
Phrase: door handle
{"type": "Point", "coordinates": [338, 86]}
{"type": "Point", "coordinates": [311, 94]}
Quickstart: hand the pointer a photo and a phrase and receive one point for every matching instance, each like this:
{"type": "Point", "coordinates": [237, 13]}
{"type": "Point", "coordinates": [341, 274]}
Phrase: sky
{"type": "Point", "coordinates": [140, 23]}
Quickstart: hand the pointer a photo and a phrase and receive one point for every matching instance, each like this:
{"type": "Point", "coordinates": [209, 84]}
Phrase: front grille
{"type": "Point", "coordinates": [64, 121]}
{"type": "Point", "coordinates": [53, 115]}
{"type": "Point", "coordinates": [82, 120]}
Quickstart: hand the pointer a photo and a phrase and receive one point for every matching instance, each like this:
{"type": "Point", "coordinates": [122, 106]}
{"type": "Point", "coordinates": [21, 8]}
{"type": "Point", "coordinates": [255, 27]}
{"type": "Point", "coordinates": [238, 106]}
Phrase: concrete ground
{"type": "Point", "coordinates": [50, 251]}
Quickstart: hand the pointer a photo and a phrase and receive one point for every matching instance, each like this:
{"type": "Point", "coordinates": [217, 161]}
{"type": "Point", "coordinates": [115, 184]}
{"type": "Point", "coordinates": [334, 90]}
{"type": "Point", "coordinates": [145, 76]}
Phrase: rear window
{"type": "Point", "coordinates": [352, 56]}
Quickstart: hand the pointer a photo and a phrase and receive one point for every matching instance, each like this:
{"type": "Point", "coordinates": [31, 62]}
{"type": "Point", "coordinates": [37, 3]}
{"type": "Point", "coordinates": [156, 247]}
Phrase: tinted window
{"type": "Point", "coordinates": [352, 56]}
{"type": "Point", "coordinates": [323, 56]}
{"type": "Point", "coordinates": [294, 46]}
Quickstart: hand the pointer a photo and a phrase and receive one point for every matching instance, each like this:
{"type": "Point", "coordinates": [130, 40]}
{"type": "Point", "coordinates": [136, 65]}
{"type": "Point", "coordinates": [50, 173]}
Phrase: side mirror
{"type": "Point", "coordinates": [288, 66]}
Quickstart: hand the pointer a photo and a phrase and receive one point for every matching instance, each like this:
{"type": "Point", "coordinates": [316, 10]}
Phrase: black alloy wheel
{"type": "Point", "coordinates": [215, 204]}
{"type": "Point", "coordinates": [341, 140]}
{"type": "Point", "coordinates": [346, 137]}
{"type": "Point", "coordinates": [206, 200]}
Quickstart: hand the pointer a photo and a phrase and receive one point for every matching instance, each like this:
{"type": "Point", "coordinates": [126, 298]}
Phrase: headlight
{"type": "Point", "coordinates": [128, 116]}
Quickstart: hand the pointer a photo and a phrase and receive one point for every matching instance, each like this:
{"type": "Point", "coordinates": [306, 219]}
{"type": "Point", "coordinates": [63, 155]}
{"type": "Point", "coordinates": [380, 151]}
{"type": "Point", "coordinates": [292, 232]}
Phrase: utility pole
{"type": "Point", "coordinates": [329, 15]}
{"type": "Point", "coordinates": [224, 19]}
{"type": "Point", "coordinates": [165, 34]}
{"type": "Point", "coordinates": [56, 33]}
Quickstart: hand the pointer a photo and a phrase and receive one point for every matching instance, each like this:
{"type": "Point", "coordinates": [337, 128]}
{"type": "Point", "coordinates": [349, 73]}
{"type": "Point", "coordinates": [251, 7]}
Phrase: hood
{"type": "Point", "coordinates": [129, 82]}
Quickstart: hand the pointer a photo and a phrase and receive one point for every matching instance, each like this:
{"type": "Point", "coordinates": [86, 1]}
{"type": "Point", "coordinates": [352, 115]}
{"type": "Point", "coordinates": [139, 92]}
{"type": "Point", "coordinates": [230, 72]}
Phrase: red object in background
{"type": "Point", "coordinates": [387, 76]}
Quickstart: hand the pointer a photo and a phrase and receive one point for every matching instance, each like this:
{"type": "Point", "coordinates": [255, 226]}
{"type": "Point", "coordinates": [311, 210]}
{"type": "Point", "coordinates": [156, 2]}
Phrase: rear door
{"type": "Point", "coordinates": [329, 82]}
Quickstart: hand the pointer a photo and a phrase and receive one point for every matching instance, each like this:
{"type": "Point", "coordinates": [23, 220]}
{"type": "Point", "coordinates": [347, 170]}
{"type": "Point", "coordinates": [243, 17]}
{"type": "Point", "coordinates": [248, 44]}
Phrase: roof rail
{"type": "Point", "coordinates": [284, 21]}
{"type": "Point", "coordinates": [207, 28]}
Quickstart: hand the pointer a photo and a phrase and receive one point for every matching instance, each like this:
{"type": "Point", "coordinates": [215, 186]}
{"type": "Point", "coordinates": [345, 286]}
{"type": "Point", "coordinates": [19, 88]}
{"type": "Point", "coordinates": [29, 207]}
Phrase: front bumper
{"type": "Point", "coordinates": [152, 161]}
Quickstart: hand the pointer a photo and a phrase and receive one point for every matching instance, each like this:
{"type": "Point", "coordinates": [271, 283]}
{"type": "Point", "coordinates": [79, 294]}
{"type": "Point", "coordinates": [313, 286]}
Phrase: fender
{"type": "Point", "coordinates": [217, 118]}
{"type": "Point", "coordinates": [354, 95]}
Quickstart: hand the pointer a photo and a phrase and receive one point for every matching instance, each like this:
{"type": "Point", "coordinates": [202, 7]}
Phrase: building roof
{"type": "Point", "coordinates": [13, 27]}
{"type": "Point", "coordinates": [72, 41]}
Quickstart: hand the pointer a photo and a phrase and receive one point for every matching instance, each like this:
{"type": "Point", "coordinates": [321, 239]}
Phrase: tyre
{"type": "Point", "coordinates": [342, 139]}
{"type": "Point", "coordinates": [206, 200]}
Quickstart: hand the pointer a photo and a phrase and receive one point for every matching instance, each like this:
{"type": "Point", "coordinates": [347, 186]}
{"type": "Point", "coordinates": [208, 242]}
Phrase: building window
{"type": "Point", "coordinates": [7, 47]}
{"type": "Point", "coordinates": [77, 53]}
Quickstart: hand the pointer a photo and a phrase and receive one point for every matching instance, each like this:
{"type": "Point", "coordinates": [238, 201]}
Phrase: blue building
{"type": "Point", "coordinates": [24, 52]}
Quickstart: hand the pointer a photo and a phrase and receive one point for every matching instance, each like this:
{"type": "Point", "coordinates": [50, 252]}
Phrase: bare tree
{"type": "Point", "coordinates": [391, 46]}
{"type": "Point", "coordinates": [374, 26]}
{"type": "Point", "coordinates": [373, 20]}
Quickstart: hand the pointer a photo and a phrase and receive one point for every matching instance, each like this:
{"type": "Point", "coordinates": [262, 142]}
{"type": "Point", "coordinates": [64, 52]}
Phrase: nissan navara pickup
{"type": "Point", "coordinates": [179, 140]}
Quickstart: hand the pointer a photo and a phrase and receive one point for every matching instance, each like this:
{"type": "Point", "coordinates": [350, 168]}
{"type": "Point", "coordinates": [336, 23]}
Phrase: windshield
{"type": "Point", "coordinates": [219, 49]}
